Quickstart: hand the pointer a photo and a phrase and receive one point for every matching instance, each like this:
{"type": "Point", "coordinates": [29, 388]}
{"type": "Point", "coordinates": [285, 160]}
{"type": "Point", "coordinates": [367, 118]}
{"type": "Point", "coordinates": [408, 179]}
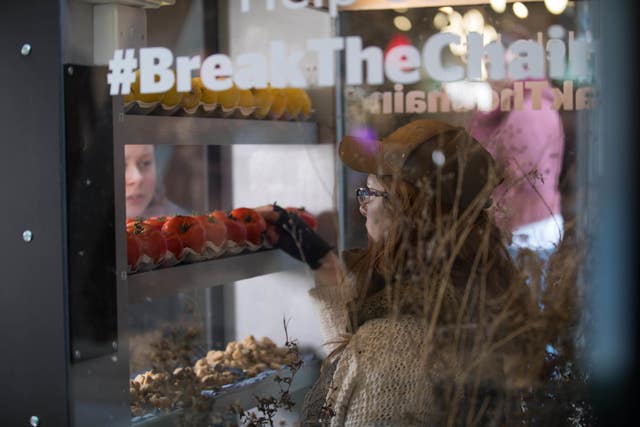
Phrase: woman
{"type": "Point", "coordinates": [429, 320]}
{"type": "Point", "coordinates": [142, 197]}
{"type": "Point", "coordinates": [528, 143]}
{"type": "Point", "coordinates": [144, 200]}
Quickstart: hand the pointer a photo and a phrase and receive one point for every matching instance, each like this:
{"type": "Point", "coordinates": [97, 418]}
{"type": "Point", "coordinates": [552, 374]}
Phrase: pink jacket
{"type": "Point", "coordinates": [529, 145]}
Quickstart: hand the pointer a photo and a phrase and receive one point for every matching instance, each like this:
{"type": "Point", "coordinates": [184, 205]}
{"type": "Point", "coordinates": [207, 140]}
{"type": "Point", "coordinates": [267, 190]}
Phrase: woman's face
{"type": "Point", "coordinates": [140, 177]}
{"type": "Point", "coordinates": [377, 214]}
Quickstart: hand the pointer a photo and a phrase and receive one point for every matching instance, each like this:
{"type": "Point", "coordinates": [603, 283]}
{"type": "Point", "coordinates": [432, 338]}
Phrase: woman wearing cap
{"type": "Point", "coordinates": [403, 315]}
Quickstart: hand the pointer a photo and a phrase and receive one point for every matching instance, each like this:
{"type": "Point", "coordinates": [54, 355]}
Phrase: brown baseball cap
{"type": "Point", "coordinates": [421, 148]}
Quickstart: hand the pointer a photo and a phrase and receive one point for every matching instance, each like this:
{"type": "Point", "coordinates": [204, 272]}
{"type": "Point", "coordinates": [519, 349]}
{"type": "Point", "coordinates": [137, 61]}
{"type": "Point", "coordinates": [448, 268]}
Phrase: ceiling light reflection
{"type": "Point", "coordinates": [402, 23]}
{"type": "Point", "coordinates": [520, 10]}
{"type": "Point", "coordinates": [499, 5]}
{"type": "Point", "coordinates": [440, 20]}
{"type": "Point", "coordinates": [556, 6]}
{"type": "Point", "coordinates": [473, 21]}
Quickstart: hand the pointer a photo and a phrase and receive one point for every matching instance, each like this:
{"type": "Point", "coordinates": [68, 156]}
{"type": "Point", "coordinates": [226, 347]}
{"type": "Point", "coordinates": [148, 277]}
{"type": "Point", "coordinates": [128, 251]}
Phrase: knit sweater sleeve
{"type": "Point", "coordinates": [378, 381]}
{"type": "Point", "coordinates": [331, 295]}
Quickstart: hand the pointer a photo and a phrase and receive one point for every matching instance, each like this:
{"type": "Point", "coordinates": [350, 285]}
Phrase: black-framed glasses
{"type": "Point", "coordinates": [364, 194]}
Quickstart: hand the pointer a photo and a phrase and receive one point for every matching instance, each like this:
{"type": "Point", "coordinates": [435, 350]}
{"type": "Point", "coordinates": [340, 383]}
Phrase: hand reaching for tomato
{"type": "Point", "coordinates": [292, 234]}
{"type": "Point", "coordinates": [270, 217]}
{"type": "Point", "coordinates": [304, 215]}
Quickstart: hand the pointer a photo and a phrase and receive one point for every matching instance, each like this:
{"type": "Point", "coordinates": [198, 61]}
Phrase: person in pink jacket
{"type": "Point", "coordinates": [528, 145]}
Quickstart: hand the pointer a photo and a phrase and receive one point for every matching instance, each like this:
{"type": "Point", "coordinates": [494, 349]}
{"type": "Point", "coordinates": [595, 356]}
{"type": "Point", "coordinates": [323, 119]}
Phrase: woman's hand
{"type": "Point", "coordinates": [287, 231]}
{"type": "Point", "coordinates": [271, 218]}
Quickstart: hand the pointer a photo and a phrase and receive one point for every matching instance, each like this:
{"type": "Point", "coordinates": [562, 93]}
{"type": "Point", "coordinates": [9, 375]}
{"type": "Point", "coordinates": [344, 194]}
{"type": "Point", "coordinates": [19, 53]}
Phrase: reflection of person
{"type": "Point", "coordinates": [425, 210]}
{"type": "Point", "coordinates": [142, 197]}
{"type": "Point", "coordinates": [528, 144]}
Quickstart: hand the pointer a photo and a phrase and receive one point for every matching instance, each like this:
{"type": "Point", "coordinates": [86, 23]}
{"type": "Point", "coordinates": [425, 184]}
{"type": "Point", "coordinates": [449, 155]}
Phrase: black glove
{"type": "Point", "coordinates": [297, 239]}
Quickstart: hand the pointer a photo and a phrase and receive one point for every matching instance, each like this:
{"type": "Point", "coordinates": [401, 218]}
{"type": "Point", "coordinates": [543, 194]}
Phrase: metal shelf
{"type": "Point", "coordinates": [206, 274]}
{"type": "Point", "coordinates": [187, 130]}
{"type": "Point", "coordinates": [244, 396]}
{"type": "Point", "coordinates": [266, 386]}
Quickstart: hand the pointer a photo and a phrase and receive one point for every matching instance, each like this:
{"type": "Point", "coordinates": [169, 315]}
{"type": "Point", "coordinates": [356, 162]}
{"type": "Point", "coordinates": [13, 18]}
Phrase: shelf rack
{"type": "Point", "coordinates": [207, 274]}
{"type": "Point", "coordinates": [244, 397]}
{"type": "Point", "coordinates": [199, 130]}
{"type": "Point", "coordinates": [194, 130]}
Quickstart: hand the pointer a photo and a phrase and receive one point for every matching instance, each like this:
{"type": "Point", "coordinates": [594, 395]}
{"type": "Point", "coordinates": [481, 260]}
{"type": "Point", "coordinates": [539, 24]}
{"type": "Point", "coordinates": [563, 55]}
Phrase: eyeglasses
{"type": "Point", "coordinates": [364, 194]}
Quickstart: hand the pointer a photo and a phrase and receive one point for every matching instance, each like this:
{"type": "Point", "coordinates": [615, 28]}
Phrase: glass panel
{"type": "Point", "coordinates": [453, 294]}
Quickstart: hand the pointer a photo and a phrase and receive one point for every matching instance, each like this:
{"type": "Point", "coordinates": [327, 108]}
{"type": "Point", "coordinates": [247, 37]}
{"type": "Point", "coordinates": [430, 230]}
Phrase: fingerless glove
{"type": "Point", "coordinates": [297, 239]}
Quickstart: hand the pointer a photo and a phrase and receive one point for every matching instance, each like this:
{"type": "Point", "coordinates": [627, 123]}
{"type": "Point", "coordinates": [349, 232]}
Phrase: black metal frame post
{"type": "Point", "coordinates": [613, 296]}
{"type": "Point", "coordinates": [34, 357]}
{"type": "Point", "coordinates": [96, 262]}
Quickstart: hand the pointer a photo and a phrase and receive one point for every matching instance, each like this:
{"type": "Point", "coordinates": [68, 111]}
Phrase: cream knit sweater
{"type": "Point", "coordinates": [377, 381]}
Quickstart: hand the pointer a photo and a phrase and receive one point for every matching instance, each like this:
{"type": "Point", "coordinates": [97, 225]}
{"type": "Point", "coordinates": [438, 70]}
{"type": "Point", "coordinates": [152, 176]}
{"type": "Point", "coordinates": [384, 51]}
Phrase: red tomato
{"type": "Point", "coordinates": [189, 230]}
{"type": "Point", "coordinates": [156, 221]}
{"type": "Point", "coordinates": [131, 222]}
{"type": "Point", "coordinates": [253, 221]}
{"type": "Point", "coordinates": [236, 231]}
{"type": "Point", "coordinates": [134, 250]}
{"type": "Point", "coordinates": [215, 230]}
{"type": "Point", "coordinates": [174, 244]}
{"type": "Point", "coordinates": [152, 240]}
{"type": "Point", "coordinates": [305, 216]}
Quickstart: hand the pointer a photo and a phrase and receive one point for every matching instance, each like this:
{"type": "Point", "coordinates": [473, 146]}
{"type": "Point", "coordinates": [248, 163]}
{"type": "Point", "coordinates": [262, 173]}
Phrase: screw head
{"type": "Point", "coordinates": [114, 358]}
{"type": "Point", "coordinates": [70, 71]}
{"type": "Point", "coordinates": [26, 49]}
{"type": "Point", "coordinates": [27, 236]}
{"type": "Point", "coordinates": [77, 354]}
{"type": "Point", "coordinates": [34, 421]}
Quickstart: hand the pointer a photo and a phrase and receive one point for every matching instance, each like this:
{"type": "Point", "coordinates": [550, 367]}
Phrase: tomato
{"type": "Point", "coordinates": [236, 231]}
{"type": "Point", "coordinates": [152, 241]}
{"type": "Point", "coordinates": [253, 221]}
{"type": "Point", "coordinates": [174, 244]}
{"type": "Point", "coordinates": [305, 216]}
{"type": "Point", "coordinates": [156, 221]}
{"type": "Point", "coordinates": [215, 229]}
{"type": "Point", "coordinates": [131, 222]}
{"type": "Point", "coordinates": [134, 250]}
{"type": "Point", "coordinates": [188, 229]}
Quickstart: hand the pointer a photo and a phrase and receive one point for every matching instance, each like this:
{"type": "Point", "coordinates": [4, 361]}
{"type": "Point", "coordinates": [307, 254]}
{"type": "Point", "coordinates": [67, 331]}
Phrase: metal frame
{"type": "Point", "coordinates": [99, 369]}
{"type": "Point", "coordinates": [207, 274]}
{"type": "Point", "coordinates": [208, 130]}
{"type": "Point", "coordinates": [44, 379]}
{"type": "Point", "coordinates": [33, 307]}
{"type": "Point", "coordinates": [612, 163]}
